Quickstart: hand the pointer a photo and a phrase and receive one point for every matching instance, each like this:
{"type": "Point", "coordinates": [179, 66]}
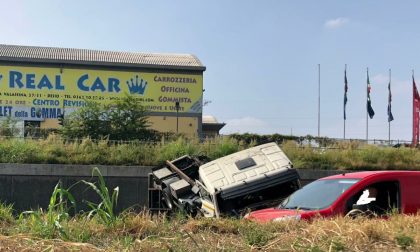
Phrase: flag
{"type": "Point", "coordinates": [345, 93]}
{"type": "Point", "coordinates": [369, 105]}
{"type": "Point", "coordinates": [416, 112]}
{"type": "Point", "coordinates": [390, 116]}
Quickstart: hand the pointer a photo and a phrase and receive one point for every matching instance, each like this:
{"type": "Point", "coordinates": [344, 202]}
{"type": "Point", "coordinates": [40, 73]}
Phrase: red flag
{"type": "Point", "coordinates": [416, 113]}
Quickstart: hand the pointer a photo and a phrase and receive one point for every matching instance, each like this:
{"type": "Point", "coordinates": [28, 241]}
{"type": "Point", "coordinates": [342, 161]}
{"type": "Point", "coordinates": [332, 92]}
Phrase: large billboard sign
{"type": "Point", "coordinates": [37, 93]}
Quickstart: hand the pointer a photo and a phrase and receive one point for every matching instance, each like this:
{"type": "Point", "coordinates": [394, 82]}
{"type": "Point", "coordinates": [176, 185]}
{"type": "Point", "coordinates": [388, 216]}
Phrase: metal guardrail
{"type": "Point", "coordinates": [323, 143]}
{"type": "Point", "coordinates": [382, 142]}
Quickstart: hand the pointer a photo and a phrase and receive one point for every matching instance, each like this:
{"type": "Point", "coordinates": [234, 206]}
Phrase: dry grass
{"type": "Point", "coordinates": [143, 232]}
{"type": "Point", "coordinates": [28, 243]}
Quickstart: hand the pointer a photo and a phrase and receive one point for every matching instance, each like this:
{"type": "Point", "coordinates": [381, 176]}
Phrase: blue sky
{"type": "Point", "coordinates": [261, 56]}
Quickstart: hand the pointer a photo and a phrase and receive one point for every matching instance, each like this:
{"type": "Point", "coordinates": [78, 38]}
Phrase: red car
{"type": "Point", "coordinates": [378, 192]}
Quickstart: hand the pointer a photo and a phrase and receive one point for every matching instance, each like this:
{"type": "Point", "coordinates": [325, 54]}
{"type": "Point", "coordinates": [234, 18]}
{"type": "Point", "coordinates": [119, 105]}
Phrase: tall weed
{"type": "Point", "coordinates": [47, 224]}
{"type": "Point", "coordinates": [105, 210]}
{"type": "Point", "coordinates": [220, 147]}
{"type": "Point", "coordinates": [6, 213]}
{"type": "Point", "coordinates": [178, 148]}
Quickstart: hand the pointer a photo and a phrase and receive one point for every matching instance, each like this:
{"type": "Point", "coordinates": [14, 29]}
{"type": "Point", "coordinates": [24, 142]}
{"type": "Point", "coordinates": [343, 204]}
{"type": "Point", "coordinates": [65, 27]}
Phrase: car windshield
{"type": "Point", "coordinates": [319, 194]}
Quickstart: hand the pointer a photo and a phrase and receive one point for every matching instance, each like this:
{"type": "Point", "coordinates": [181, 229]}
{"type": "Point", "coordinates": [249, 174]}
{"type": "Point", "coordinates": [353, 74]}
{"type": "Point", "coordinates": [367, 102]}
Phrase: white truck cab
{"type": "Point", "coordinates": [251, 179]}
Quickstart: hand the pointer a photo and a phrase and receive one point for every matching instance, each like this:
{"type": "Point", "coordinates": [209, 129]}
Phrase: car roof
{"type": "Point", "coordinates": [365, 174]}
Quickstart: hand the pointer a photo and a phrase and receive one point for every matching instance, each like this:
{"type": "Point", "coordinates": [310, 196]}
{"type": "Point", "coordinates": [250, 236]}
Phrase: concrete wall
{"type": "Point", "coordinates": [29, 186]}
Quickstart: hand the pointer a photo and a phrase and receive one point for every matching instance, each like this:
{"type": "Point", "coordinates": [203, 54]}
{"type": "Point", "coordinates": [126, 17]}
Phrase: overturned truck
{"type": "Point", "coordinates": [255, 178]}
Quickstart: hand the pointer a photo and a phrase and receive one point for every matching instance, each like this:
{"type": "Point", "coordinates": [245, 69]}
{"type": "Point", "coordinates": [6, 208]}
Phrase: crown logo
{"type": "Point", "coordinates": [137, 85]}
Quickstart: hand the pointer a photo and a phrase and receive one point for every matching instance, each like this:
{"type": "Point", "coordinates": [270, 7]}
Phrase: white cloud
{"type": "Point", "coordinates": [246, 125]}
{"type": "Point", "coordinates": [401, 86]}
{"type": "Point", "coordinates": [380, 79]}
{"type": "Point", "coordinates": [336, 23]}
{"type": "Point", "coordinates": [398, 86]}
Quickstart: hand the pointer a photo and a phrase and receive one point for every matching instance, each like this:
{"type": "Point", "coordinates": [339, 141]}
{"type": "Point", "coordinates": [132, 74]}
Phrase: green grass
{"type": "Point", "coordinates": [353, 156]}
{"type": "Point", "coordinates": [342, 155]}
{"type": "Point", "coordinates": [54, 150]}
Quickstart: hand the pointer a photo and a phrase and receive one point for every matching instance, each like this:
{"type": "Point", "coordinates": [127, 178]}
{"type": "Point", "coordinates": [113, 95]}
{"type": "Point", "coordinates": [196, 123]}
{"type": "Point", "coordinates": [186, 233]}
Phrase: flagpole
{"type": "Point", "coordinates": [389, 112]}
{"type": "Point", "coordinates": [416, 106]}
{"type": "Point", "coordinates": [367, 93]}
{"type": "Point", "coordinates": [345, 72]}
{"type": "Point", "coordinates": [413, 111]}
{"type": "Point", "coordinates": [319, 99]}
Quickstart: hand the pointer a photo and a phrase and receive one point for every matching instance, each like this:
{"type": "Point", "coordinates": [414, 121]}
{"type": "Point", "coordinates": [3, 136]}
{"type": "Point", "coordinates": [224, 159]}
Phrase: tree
{"type": "Point", "coordinates": [128, 120]}
{"type": "Point", "coordinates": [8, 127]}
{"type": "Point", "coordinates": [124, 120]}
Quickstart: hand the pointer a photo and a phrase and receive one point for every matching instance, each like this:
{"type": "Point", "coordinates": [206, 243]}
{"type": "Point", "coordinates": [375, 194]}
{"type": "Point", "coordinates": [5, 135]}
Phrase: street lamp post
{"type": "Point", "coordinates": [177, 109]}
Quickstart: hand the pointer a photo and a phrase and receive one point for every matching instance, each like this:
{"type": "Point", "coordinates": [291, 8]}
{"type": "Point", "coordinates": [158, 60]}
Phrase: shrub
{"type": "Point", "coordinates": [124, 120]}
{"type": "Point", "coordinates": [404, 241]}
{"type": "Point", "coordinates": [255, 235]}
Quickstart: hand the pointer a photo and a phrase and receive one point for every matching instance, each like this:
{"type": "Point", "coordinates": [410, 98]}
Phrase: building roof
{"type": "Point", "coordinates": [210, 123]}
{"type": "Point", "coordinates": [209, 119]}
{"type": "Point", "coordinates": [19, 53]}
{"type": "Point", "coordinates": [365, 174]}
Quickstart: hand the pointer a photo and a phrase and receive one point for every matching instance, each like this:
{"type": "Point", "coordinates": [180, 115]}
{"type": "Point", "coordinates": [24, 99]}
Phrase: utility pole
{"type": "Point", "coordinates": [177, 110]}
{"type": "Point", "coordinates": [319, 99]}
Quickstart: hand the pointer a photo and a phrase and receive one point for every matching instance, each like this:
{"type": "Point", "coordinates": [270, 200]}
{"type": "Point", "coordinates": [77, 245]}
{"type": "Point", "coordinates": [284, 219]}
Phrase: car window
{"type": "Point", "coordinates": [379, 198]}
{"type": "Point", "coordinates": [319, 194]}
